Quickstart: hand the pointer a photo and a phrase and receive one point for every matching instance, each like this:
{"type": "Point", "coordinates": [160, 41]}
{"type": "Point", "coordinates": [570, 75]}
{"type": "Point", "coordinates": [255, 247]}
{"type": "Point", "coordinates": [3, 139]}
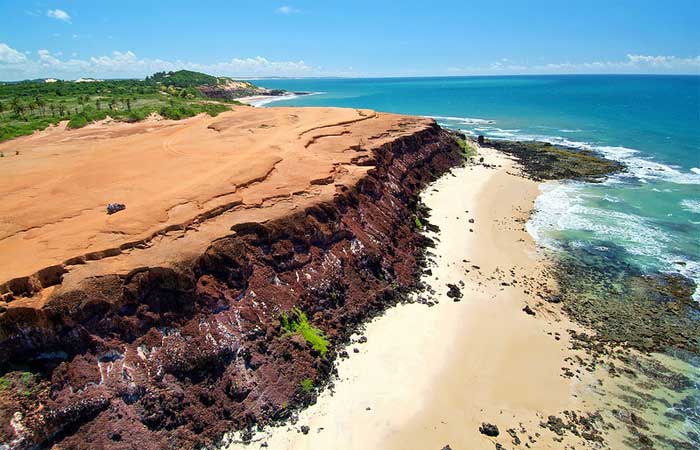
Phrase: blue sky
{"type": "Point", "coordinates": [125, 38]}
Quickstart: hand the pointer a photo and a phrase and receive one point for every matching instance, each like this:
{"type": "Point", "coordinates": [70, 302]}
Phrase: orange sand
{"type": "Point", "coordinates": [188, 180]}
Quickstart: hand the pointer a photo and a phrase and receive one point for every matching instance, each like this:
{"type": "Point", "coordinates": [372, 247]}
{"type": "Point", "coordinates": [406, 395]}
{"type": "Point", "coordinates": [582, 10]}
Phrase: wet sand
{"type": "Point", "coordinates": [430, 376]}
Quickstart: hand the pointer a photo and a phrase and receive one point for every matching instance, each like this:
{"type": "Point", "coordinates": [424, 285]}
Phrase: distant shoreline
{"type": "Point", "coordinates": [261, 100]}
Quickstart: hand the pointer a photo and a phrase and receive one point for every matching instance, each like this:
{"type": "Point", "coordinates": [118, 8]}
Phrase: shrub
{"type": "Point", "coordinates": [467, 149]}
{"type": "Point", "coordinates": [307, 385]}
{"type": "Point", "coordinates": [299, 323]}
{"type": "Point", "coordinates": [77, 121]}
{"type": "Point", "coordinates": [418, 222]}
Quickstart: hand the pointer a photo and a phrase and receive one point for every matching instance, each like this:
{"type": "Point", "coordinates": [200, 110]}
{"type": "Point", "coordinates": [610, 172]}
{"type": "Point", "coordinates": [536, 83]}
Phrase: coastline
{"type": "Point", "coordinates": [489, 361]}
{"type": "Point", "coordinates": [500, 355]}
{"type": "Point", "coordinates": [261, 100]}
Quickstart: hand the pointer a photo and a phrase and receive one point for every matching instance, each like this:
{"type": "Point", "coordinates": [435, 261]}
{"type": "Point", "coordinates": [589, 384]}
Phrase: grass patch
{"type": "Point", "coordinates": [418, 223]}
{"type": "Point", "coordinates": [299, 323]}
{"type": "Point", "coordinates": [5, 384]}
{"type": "Point", "coordinates": [468, 150]}
{"type": "Point", "coordinates": [307, 385]}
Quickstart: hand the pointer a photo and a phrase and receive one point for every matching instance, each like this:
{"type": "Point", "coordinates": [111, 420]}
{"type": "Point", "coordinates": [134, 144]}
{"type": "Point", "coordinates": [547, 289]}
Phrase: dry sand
{"type": "Point", "coordinates": [184, 183]}
{"type": "Point", "coordinates": [428, 377]}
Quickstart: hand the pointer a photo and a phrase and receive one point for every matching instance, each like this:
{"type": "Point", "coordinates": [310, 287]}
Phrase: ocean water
{"type": "Point", "coordinates": [650, 123]}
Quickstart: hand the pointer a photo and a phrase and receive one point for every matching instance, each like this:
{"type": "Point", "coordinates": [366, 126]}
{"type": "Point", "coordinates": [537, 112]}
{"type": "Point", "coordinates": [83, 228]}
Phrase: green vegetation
{"type": "Point", "coordinates": [299, 323]}
{"type": "Point", "coordinates": [468, 149]}
{"type": "Point", "coordinates": [25, 378]}
{"type": "Point", "coordinates": [183, 78]}
{"type": "Point", "coordinates": [418, 223]}
{"type": "Point", "coordinates": [307, 385]}
{"type": "Point", "coordinates": [28, 106]}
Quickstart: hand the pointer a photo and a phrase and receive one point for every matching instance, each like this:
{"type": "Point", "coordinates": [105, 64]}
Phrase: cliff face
{"type": "Point", "coordinates": [172, 357]}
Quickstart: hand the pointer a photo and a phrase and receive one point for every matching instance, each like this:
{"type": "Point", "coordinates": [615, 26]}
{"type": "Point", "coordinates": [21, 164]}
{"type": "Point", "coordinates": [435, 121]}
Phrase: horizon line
{"type": "Point", "coordinates": [320, 77]}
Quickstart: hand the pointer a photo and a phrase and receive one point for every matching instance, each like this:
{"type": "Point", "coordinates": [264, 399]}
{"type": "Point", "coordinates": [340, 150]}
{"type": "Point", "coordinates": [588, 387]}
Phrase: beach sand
{"type": "Point", "coordinates": [430, 376]}
{"type": "Point", "coordinates": [260, 100]}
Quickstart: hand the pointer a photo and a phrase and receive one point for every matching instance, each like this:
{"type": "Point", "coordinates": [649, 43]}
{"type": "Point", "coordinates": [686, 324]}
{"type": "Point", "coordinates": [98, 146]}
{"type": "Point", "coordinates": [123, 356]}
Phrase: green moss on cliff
{"type": "Point", "coordinates": [299, 323]}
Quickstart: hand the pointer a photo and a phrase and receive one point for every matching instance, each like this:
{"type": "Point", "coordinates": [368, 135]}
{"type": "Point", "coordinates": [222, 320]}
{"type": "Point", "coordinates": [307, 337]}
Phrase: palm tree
{"type": "Point", "coordinates": [128, 104]}
{"type": "Point", "coordinates": [61, 109]}
{"type": "Point", "coordinates": [113, 104]}
{"type": "Point", "coordinates": [52, 107]}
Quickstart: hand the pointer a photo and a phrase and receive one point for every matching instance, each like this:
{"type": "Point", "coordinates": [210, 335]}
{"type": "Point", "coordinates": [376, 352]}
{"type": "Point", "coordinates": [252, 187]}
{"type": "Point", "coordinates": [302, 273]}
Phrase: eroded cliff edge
{"type": "Point", "coordinates": [173, 356]}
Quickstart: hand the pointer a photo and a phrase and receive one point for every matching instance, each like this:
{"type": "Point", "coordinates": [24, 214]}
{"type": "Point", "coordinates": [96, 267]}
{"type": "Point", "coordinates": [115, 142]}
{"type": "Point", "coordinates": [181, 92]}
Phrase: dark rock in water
{"type": "Point", "coordinates": [625, 306]}
{"type": "Point", "coordinates": [528, 310]}
{"type": "Point", "coordinates": [544, 161]}
{"type": "Point", "coordinates": [305, 429]}
{"type": "Point", "coordinates": [454, 292]}
{"type": "Point", "coordinates": [488, 429]}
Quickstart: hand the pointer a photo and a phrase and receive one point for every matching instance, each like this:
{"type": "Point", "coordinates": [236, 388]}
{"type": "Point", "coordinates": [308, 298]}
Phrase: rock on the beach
{"type": "Point", "coordinates": [528, 310]}
{"type": "Point", "coordinates": [454, 292]}
{"type": "Point", "coordinates": [488, 429]}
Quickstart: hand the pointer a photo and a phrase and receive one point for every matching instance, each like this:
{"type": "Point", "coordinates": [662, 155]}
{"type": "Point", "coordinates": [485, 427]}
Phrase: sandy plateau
{"type": "Point", "coordinates": [177, 179]}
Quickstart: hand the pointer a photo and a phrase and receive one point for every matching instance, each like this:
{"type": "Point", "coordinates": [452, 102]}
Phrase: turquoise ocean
{"type": "Point", "coordinates": [645, 220]}
{"type": "Point", "coordinates": [649, 216]}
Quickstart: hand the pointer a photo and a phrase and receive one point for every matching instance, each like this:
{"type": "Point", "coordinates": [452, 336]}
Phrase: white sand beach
{"type": "Point", "coordinates": [428, 377]}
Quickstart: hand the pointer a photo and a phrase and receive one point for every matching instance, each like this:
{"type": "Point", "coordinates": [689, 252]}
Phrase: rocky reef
{"type": "Point", "coordinates": [544, 161]}
{"type": "Point", "coordinates": [173, 357]}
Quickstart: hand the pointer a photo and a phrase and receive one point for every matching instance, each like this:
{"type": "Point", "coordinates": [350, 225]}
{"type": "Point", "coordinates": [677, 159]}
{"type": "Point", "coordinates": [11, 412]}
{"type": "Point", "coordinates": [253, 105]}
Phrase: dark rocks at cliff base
{"type": "Point", "coordinates": [305, 429]}
{"type": "Point", "coordinates": [488, 429]}
{"type": "Point", "coordinates": [454, 292]}
{"type": "Point", "coordinates": [527, 310]}
{"type": "Point", "coordinates": [447, 447]}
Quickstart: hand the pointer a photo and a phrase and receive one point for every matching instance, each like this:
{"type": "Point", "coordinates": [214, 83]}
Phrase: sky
{"type": "Point", "coordinates": [69, 39]}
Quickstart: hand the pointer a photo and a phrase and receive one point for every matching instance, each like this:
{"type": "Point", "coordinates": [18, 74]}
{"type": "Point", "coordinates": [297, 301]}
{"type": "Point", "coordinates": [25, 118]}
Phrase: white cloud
{"type": "Point", "coordinates": [9, 55]}
{"type": "Point", "coordinates": [58, 14]}
{"type": "Point", "coordinates": [287, 10]}
{"type": "Point", "coordinates": [15, 65]}
{"type": "Point", "coordinates": [630, 65]}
